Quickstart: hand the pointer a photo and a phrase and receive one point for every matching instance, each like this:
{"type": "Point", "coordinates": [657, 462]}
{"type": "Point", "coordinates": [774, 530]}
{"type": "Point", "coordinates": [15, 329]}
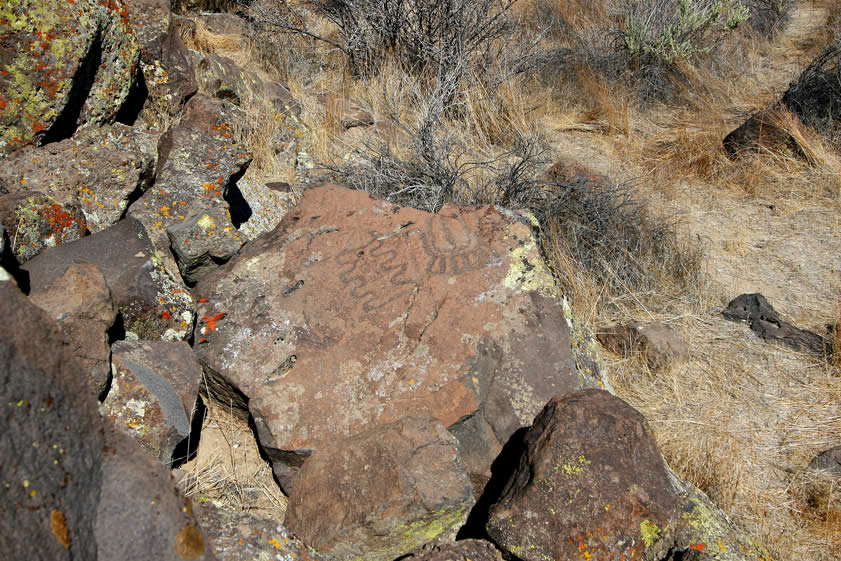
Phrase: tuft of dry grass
{"type": "Point", "coordinates": [229, 470]}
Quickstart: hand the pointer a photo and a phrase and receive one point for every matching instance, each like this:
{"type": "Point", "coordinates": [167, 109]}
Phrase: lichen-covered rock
{"type": "Point", "coordinates": [591, 483]}
{"type": "Point", "coordinates": [463, 550]}
{"type": "Point", "coordinates": [243, 536]}
{"type": "Point", "coordinates": [80, 301]}
{"type": "Point", "coordinates": [204, 240]}
{"type": "Point", "coordinates": [153, 304]}
{"type": "Point", "coordinates": [354, 311]}
{"type": "Point", "coordinates": [63, 64]}
{"type": "Point", "coordinates": [51, 443]}
{"type": "Point", "coordinates": [591, 479]}
{"type": "Point", "coordinates": [221, 77]}
{"type": "Point", "coordinates": [268, 206]}
{"type": "Point", "coordinates": [141, 514]}
{"type": "Point", "coordinates": [167, 74]}
{"type": "Point", "coordinates": [154, 393]}
{"type": "Point", "coordinates": [199, 161]}
{"type": "Point", "coordinates": [379, 493]}
{"type": "Point", "coordinates": [101, 169]}
{"type": "Point", "coordinates": [35, 222]}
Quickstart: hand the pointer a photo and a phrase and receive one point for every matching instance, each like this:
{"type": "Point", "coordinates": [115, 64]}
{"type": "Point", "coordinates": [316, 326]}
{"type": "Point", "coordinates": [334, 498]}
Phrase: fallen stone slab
{"type": "Point", "coordinates": [660, 345]}
{"type": "Point", "coordinates": [378, 493]}
{"type": "Point", "coordinates": [152, 303]}
{"type": "Point", "coordinates": [80, 302]}
{"type": "Point", "coordinates": [769, 130]}
{"type": "Point", "coordinates": [154, 395]}
{"type": "Point", "coordinates": [65, 64]}
{"type": "Point", "coordinates": [354, 311]}
{"type": "Point", "coordinates": [101, 169]}
{"type": "Point", "coordinates": [764, 320]}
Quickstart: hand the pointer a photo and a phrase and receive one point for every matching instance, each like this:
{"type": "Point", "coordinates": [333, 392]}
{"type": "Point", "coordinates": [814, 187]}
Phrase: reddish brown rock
{"type": "Point", "coordinates": [591, 480]}
{"type": "Point", "coordinates": [51, 443]}
{"type": "Point", "coordinates": [376, 494]}
{"type": "Point", "coordinates": [65, 64]}
{"type": "Point", "coordinates": [34, 222]}
{"type": "Point", "coordinates": [100, 169]}
{"type": "Point", "coordinates": [659, 344]}
{"type": "Point", "coordinates": [354, 311]}
{"type": "Point", "coordinates": [154, 394]}
{"type": "Point", "coordinates": [81, 303]}
{"type": "Point", "coordinates": [152, 303]}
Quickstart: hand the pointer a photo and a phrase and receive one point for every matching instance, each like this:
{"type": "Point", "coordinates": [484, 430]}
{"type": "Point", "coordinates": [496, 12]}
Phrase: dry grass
{"type": "Point", "coordinates": [228, 468]}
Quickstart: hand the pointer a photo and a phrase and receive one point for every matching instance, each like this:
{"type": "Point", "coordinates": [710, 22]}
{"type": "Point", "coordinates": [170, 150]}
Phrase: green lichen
{"type": "Point", "coordinates": [705, 524]}
{"type": "Point", "coordinates": [650, 533]}
{"type": "Point", "coordinates": [528, 271]}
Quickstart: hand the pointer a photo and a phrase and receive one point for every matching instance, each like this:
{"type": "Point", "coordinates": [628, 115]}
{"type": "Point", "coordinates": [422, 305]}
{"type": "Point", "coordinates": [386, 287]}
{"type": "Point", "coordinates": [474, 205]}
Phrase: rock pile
{"type": "Point", "coordinates": [405, 372]}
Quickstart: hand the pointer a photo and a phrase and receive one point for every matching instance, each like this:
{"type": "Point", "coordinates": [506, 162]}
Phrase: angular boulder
{"type": "Point", "coordinates": [80, 302]}
{"type": "Point", "coordinates": [829, 461]}
{"type": "Point", "coordinates": [221, 77]}
{"type": "Point", "coordinates": [659, 344]}
{"type": "Point", "coordinates": [100, 169]}
{"type": "Point", "coordinates": [354, 311]}
{"type": "Point", "coordinates": [268, 205]}
{"type": "Point", "coordinates": [591, 479]}
{"type": "Point", "coordinates": [199, 161]}
{"type": "Point", "coordinates": [65, 64]}
{"type": "Point", "coordinates": [141, 515]}
{"type": "Point", "coordinates": [51, 442]}
{"type": "Point", "coordinates": [154, 394]}
{"type": "Point", "coordinates": [769, 130]}
{"type": "Point", "coordinates": [152, 303]}
{"type": "Point", "coordinates": [168, 78]}
{"type": "Point", "coordinates": [201, 242]}
{"type": "Point", "coordinates": [376, 494]}
{"type": "Point", "coordinates": [35, 222]}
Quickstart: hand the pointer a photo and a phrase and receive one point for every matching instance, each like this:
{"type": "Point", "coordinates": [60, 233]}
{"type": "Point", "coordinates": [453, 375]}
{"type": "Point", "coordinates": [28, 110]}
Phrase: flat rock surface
{"type": "Point", "coordinates": [353, 312]}
{"type": "Point", "coordinates": [378, 493]}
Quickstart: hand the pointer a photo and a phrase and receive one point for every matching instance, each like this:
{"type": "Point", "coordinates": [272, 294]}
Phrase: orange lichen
{"type": "Point", "coordinates": [58, 524]}
{"type": "Point", "coordinates": [211, 321]}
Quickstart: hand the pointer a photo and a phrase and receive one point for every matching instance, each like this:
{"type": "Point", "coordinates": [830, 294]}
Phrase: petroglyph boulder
{"type": "Point", "coordinates": [154, 394]}
{"type": "Point", "coordinates": [355, 312]}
